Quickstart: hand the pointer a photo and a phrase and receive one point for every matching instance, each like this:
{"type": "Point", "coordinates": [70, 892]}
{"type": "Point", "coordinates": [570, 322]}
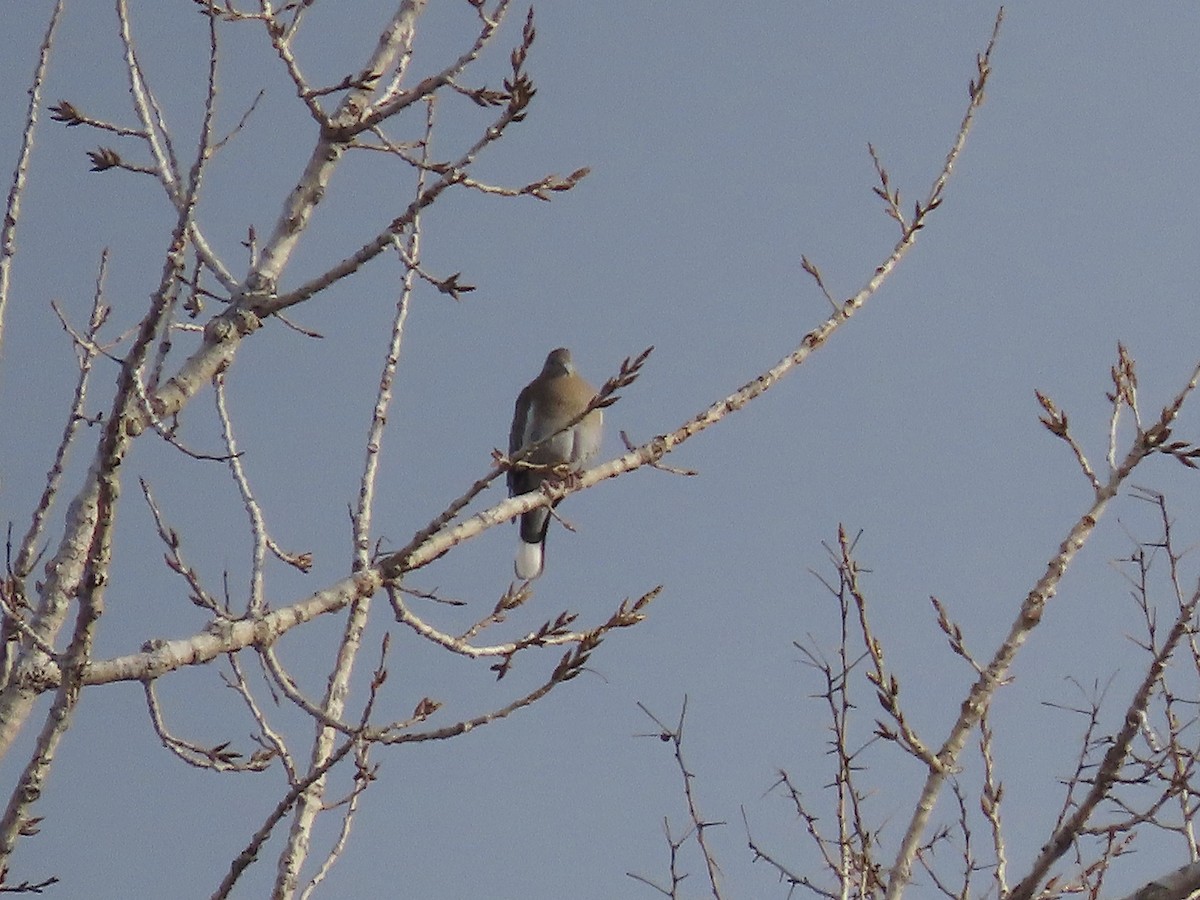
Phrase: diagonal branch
{"type": "Point", "coordinates": [1028, 618]}
{"type": "Point", "coordinates": [12, 207]}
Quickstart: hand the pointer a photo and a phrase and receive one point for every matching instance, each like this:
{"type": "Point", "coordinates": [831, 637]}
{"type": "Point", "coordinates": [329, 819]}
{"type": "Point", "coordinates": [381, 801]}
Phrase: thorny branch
{"type": "Point", "coordinates": [699, 826]}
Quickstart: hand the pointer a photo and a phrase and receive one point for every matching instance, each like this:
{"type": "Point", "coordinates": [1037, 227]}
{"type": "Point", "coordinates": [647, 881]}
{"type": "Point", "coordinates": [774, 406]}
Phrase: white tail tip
{"type": "Point", "coordinates": [529, 561]}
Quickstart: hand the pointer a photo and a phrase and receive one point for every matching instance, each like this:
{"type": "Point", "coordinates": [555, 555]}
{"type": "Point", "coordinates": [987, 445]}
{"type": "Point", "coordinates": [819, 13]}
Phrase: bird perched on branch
{"type": "Point", "coordinates": [544, 407]}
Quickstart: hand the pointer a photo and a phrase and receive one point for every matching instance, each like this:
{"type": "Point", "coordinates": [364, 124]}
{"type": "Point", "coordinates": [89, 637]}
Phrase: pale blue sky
{"type": "Point", "coordinates": [722, 146]}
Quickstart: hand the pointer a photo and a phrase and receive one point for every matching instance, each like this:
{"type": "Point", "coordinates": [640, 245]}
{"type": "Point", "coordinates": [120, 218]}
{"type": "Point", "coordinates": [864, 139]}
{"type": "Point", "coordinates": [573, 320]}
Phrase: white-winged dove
{"type": "Point", "coordinates": [544, 407]}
